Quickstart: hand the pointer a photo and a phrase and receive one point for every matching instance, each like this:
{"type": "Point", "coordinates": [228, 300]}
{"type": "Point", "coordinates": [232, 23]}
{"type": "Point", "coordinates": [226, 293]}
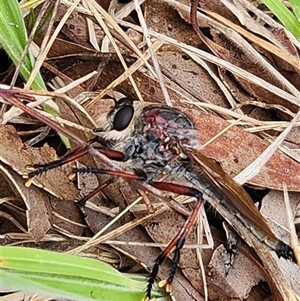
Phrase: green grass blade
{"type": "Point", "coordinates": [295, 4]}
{"type": "Point", "coordinates": [13, 38]}
{"type": "Point", "coordinates": [286, 17]}
{"type": "Point", "coordinates": [63, 275]}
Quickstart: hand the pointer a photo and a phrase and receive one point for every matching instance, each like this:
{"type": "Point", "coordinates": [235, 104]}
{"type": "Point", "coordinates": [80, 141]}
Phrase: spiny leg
{"type": "Point", "coordinates": [123, 174]}
{"type": "Point", "coordinates": [139, 175]}
{"type": "Point", "coordinates": [178, 241]}
{"type": "Point", "coordinates": [38, 169]}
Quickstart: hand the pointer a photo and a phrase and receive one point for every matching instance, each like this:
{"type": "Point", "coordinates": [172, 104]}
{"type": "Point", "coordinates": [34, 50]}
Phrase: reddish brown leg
{"type": "Point", "coordinates": [94, 192]}
{"type": "Point", "coordinates": [76, 154]}
{"type": "Point", "coordinates": [122, 174]}
{"type": "Point", "coordinates": [115, 173]}
{"type": "Point", "coordinates": [146, 200]}
{"type": "Point", "coordinates": [178, 241]}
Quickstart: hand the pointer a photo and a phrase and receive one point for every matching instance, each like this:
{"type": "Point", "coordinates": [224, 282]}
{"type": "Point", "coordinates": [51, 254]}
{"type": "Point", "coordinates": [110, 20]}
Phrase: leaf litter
{"type": "Point", "coordinates": [236, 28]}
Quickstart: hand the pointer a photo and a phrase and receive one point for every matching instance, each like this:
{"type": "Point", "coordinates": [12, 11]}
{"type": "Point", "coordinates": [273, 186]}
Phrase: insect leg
{"type": "Point", "coordinates": [178, 241]}
{"type": "Point", "coordinates": [38, 169]}
{"type": "Point", "coordinates": [122, 174]}
{"type": "Point", "coordinates": [99, 188]}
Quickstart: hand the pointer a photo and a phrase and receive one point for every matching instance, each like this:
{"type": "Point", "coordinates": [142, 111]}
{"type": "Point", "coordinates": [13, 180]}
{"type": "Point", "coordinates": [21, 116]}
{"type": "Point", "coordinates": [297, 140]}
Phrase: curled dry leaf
{"type": "Point", "coordinates": [240, 278]}
{"type": "Point", "coordinates": [273, 208]}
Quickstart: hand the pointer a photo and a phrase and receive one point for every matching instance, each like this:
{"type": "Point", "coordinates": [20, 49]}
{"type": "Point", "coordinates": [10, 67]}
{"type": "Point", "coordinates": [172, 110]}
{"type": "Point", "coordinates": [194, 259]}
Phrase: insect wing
{"type": "Point", "coordinates": [235, 193]}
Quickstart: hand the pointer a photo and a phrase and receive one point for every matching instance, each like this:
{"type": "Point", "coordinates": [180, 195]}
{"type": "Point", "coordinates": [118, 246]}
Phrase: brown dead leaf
{"type": "Point", "coordinates": [62, 49]}
{"type": "Point", "coordinates": [241, 277]}
{"type": "Point", "coordinates": [236, 149]}
{"type": "Point", "coordinates": [76, 29]}
{"type": "Point", "coordinates": [273, 208]}
{"type": "Point", "coordinates": [66, 218]}
{"type": "Point", "coordinates": [160, 18]}
{"type": "Point", "coordinates": [182, 73]}
{"type": "Point", "coordinates": [17, 156]}
{"type": "Point", "coordinates": [187, 77]}
{"type": "Point", "coordinates": [38, 210]}
{"type": "Point", "coordinates": [43, 210]}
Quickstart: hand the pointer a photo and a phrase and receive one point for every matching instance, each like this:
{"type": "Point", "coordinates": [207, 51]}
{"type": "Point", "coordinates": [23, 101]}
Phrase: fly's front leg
{"type": "Point", "coordinates": [38, 169]}
{"type": "Point", "coordinates": [178, 241]}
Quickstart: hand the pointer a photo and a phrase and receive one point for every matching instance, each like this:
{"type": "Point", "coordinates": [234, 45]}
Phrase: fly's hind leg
{"type": "Point", "coordinates": [178, 241]}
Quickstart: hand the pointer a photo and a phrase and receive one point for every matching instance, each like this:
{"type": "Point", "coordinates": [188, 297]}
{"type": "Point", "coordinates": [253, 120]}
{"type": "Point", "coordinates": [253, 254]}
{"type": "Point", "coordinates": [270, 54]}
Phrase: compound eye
{"type": "Point", "coordinates": [123, 117]}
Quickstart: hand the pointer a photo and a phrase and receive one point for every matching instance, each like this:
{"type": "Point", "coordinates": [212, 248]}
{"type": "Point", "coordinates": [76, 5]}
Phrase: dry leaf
{"type": "Point", "coordinates": [37, 204]}
{"type": "Point", "coordinates": [17, 156]}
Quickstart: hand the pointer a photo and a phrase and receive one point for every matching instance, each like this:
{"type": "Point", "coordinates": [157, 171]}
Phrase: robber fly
{"type": "Point", "coordinates": [156, 140]}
